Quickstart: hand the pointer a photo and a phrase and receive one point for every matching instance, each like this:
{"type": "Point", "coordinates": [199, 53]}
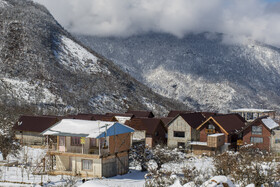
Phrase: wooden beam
{"type": "Point", "coordinates": [74, 154]}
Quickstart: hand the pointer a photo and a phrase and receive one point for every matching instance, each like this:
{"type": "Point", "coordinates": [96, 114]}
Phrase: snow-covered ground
{"type": "Point", "coordinates": [21, 175]}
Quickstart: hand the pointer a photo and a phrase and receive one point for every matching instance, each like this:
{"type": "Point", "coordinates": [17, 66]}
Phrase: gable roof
{"type": "Point", "coordinates": [193, 119]}
{"type": "Point", "coordinates": [79, 116]}
{"type": "Point", "coordinates": [166, 120]}
{"type": "Point", "coordinates": [208, 114]}
{"type": "Point", "coordinates": [87, 128]}
{"type": "Point", "coordinates": [141, 113]}
{"type": "Point", "coordinates": [269, 123]}
{"type": "Point", "coordinates": [120, 114]}
{"type": "Point", "coordinates": [35, 123]}
{"type": "Point", "coordinates": [174, 113]}
{"type": "Point", "coordinates": [228, 122]}
{"type": "Point", "coordinates": [148, 124]}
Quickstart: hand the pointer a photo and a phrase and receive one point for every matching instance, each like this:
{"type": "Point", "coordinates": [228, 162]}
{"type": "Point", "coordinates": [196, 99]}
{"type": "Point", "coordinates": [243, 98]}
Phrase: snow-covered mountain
{"type": "Point", "coordinates": [42, 67]}
{"type": "Point", "coordinates": [199, 69]}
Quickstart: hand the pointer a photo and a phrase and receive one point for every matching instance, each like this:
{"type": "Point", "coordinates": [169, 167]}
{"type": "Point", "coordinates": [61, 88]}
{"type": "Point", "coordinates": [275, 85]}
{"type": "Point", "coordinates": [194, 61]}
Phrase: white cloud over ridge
{"type": "Point", "coordinates": [239, 19]}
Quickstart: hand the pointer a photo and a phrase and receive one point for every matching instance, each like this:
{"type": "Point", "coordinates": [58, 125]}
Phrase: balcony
{"type": "Point", "coordinates": [78, 150]}
{"type": "Point", "coordinates": [210, 131]}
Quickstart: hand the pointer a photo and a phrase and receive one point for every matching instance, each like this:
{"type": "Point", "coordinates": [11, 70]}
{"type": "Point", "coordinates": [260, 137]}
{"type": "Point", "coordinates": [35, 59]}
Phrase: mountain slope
{"type": "Point", "coordinates": [199, 69]}
{"type": "Point", "coordinates": [43, 68]}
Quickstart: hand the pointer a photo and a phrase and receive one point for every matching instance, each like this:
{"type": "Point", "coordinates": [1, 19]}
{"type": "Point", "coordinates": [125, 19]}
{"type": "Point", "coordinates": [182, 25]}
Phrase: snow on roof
{"type": "Point", "coordinates": [270, 123]}
{"type": "Point", "coordinates": [252, 110]}
{"type": "Point", "coordinates": [198, 143]}
{"type": "Point", "coordinates": [87, 128]}
{"type": "Point", "coordinates": [217, 134]}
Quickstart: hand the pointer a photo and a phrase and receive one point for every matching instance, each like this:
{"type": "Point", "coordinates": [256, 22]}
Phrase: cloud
{"type": "Point", "coordinates": [238, 19]}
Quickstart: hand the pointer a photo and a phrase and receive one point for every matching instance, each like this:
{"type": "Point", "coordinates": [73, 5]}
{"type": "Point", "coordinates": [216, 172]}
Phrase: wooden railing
{"type": "Point", "coordinates": [210, 131]}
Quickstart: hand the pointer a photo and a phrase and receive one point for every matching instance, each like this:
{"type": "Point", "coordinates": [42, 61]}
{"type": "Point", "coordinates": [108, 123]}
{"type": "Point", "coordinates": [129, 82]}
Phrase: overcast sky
{"type": "Point", "coordinates": [239, 19]}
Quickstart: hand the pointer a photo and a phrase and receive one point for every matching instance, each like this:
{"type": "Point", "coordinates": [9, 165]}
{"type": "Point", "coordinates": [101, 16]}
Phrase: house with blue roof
{"type": "Point", "coordinates": [89, 148]}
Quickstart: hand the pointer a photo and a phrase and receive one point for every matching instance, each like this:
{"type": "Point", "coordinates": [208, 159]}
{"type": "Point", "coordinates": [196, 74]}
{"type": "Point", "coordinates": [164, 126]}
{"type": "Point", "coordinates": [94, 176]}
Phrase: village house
{"type": "Point", "coordinates": [150, 131]}
{"type": "Point", "coordinates": [228, 124]}
{"type": "Point", "coordinates": [218, 133]}
{"type": "Point", "coordinates": [182, 129]}
{"type": "Point", "coordinates": [28, 128]}
{"type": "Point", "coordinates": [89, 148]}
{"type": "Point", "coordinates": [263, 133]}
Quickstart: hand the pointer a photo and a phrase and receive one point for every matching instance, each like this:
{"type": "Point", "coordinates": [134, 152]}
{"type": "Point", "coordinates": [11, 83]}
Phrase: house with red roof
{"type": "Point", "coordinates": [150, 131]}
{"type": "Point", "coordinates": [263, 133]}
{"type": "Point", "coordinates": [218, 133]}
{"type": "Point", "coordinates": [182, 129]}
{"type": "Point", "coordinates": [229, 124]}
{"type": "Point", "coordinates": [28, 128]}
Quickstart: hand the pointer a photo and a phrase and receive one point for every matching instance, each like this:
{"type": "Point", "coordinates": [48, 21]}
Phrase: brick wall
{"type": "Point", "coordinates": [247, 134]}
{"type": "Point", "coordinates": [203, 134]}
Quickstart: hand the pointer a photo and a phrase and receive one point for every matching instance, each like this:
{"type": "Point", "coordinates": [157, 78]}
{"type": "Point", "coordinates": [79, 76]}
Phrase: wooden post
{"type": "Point", "coordinates": [99, 146]}
{"type": "Point", "coordinates": [57, 144]}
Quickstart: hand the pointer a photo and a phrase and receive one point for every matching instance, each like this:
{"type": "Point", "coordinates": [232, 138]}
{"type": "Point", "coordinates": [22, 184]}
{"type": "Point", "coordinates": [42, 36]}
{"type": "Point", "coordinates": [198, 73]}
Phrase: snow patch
{"type": "Point", "coordinates": [3, 4]}
{"type": "Point", "coordinates": [108, 103]}
{"type": "Point", "coordinates": [29, 92]}
{"type": "Point", "coordinates": [77, 58]}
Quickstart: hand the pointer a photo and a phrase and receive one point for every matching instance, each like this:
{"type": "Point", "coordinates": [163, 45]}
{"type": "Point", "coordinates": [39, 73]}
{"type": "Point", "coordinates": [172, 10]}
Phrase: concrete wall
{"type": "Point", "coordinates": [138, 135]}
{"type": "Point", "coordinates": [179, 124]}
{"type": "Point", "coordinates": [275, 147]}
{"type": "Point", "coordinates": [62, 163]}
{"type": "Point", "coordinates": [102, 167]}
{"type": "Point", "coordinates": [73, 165]}
{"type": "Point", "coordinates": [30, 138]}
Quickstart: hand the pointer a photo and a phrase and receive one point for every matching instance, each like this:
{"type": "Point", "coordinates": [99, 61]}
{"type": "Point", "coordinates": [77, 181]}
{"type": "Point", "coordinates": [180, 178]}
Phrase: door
{"type": "Point", "coordinates": [62, 143]}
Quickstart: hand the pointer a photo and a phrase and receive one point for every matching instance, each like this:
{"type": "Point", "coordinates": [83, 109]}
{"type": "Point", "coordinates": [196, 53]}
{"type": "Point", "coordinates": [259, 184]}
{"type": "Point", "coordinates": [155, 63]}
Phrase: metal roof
{"type": "Point", "coordinates": [252, 110]}
{"type": "Point", "coordinates": [87, 128]}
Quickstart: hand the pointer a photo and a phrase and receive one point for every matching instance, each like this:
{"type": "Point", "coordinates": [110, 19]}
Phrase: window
{"type": "Point", "coordinates": [277, 140]}
{"type": "Point", "coordinates": [75, 141]}
{"type": "Point", "coordinates": [180, 134]}
{"type": "Point", "coordinates": [210, 126]}
{"type": "Point", "coordinates": [257, 130]}
{"type": "Point", "coordinates": [87, 164]}
{"type": "Point", "coordinates": [256, 140]}
{"type": "Point", "coordinates": [62, 141]}
{"type": "Point", "coordinates": [181, 145]}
